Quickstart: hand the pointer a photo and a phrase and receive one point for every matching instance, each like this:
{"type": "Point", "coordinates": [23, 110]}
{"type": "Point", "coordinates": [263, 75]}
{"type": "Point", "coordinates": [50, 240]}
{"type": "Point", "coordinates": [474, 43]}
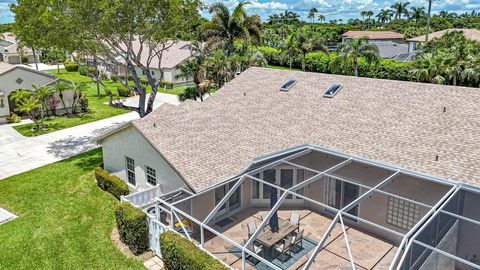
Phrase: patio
{"type": "Point", "coordinates": [369, 252]}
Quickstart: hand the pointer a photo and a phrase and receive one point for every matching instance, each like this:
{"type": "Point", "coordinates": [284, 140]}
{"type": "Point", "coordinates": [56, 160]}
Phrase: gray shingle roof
{"type": "Point", "coordinates": [390, 121]}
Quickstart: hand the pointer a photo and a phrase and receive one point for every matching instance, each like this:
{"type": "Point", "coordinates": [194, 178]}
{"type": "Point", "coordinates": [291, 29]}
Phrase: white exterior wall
{"type": "Point", "coordinates": [8, 84]}
{"type": "Point", "coordinates": [129, 142]}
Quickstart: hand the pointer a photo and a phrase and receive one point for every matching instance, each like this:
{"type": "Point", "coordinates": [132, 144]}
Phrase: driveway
{"type": "Point", "coordinates": [20, 154]}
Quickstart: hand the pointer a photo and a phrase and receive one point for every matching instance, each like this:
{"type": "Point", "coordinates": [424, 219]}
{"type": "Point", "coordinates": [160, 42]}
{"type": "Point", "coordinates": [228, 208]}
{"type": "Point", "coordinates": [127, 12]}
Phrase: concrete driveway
{"type": "Point", "coordinates": [20, 154]}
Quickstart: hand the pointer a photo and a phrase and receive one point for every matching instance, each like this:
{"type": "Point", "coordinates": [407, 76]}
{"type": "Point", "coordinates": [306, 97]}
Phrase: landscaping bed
{"type": "Point", "coordinates": [64, 220]}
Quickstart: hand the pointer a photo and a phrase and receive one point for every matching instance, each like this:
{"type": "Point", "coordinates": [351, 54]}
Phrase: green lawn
{"type": "Point", "coordinates": [283, 68]}
{"type": "Point", "coordinates": [64, 220]}
{"type": "Point", "coordinates": [97, 109]}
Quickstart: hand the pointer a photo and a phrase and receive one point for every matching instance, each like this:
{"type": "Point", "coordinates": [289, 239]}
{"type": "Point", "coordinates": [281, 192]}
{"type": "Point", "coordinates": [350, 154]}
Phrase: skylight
{"type": "Point", "coordinates": [332, 91]}
{"type": "Point", "coordinates": [289, 84]}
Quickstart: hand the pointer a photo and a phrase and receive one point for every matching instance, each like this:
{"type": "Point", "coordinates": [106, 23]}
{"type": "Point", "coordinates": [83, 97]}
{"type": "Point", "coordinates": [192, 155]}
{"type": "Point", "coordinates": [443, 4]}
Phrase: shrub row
{"type": "Point", "coordinates": [180, 254]}
{"type": "Point", "coordinates": [132, 227]}
{"type": "Point", "coordinates": [124, 91]}
{"type": "Point", "coordinates": [169, 85]}
{"type": "Point", "coordinates": [111, 183]}
{"type": "Point", "coordinates": [330, 63]}
{"type": "Point", "coordinates": [86, 71]}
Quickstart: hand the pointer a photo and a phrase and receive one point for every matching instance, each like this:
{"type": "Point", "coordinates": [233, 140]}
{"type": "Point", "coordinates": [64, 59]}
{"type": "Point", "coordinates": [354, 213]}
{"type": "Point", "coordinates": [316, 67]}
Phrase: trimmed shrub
{"type": "Point", "coordinates": [123, 91]}
{"type": "Point", "coordinates": [190, 93]}
{"type": "Point", "coordinates": [86, 71]}
{"type": "Point", "coordinates": [114, 78]}
{"type": "Point", "coordinates": [71, 67]}
{"type": "Point", "coordinates": [111, 183]}
{"type": "Point", "coordinates": [169, 85]}
{"type": "Point", "coordinates": [132, 227]}
{"type": "Point", "coordinates": [143, 80]}
{"type": "Point", "coordinates": [13, 118]}
{"type": "Point", "coordinates": [180, 254]}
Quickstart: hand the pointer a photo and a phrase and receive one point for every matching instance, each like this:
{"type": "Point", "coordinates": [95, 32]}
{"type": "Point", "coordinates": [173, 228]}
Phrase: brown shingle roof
{"type": "Point", "coordinates": [396, 122]}
{"type": "Point", "coordinates": [373, 34]}
{"type": "Point", "coordinates": [4, 67]}
{"type": "Point", "coordinates": [472, 34]}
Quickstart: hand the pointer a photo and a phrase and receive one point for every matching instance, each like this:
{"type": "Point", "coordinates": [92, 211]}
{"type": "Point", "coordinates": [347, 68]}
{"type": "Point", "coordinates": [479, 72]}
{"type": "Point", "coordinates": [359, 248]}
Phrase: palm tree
{"type": "Point", "coordinates": [19, 95]}
{"type": "Point", "coordinates": [355, 48]}
{"type": "Point", "coordinates": [59, 88]}
{"type": "Point", "coordinates": [363, 14]}
{"type": "Point", "coordinates": [384, 15]}
{"type": "Point", "coordinates": [472, 70]}
{"type": "Point", "coordinates": [307, 42]}
{"type": "Point", "coordinates": [400, 9]}
{"type": "Point", "coordinates": [43, 94]}
{"type": "Point", "coordinates": [429, 17]}
{"type": "Point", "coordinates": [321, 18]}
{"type": "Point", "coordinates": [429, 67]}
{"type": "Point", "coordinates": [194, 67]}
{"type": "Point", "coordinates": [312, 13]}
{"type": "Point", "coordinates": [417, 13]}
{"type": "Point", "coordinates": [29, 106]}
{"type": "Point", "coordinates": [225, 28]}
{"type": "Point", "coordinates": [78, 89]}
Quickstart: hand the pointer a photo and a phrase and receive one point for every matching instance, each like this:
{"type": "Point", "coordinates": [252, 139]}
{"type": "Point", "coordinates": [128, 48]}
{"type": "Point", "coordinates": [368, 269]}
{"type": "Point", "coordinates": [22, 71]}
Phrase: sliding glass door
{"type": "Point", "coordinates": [233, 202]}
{"type": "Point", "coordinates": [283, 176]}
{"type": "Point", "coordinates": [340, 194]}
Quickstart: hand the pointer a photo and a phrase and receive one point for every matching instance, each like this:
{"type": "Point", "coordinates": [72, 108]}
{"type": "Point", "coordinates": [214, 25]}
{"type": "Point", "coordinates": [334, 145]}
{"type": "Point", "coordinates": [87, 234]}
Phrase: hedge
{"type": "Point", "coordinates": [132, 227]}
{"type": "Point", "coordinates": [330, 63]}
{"type": "Point", "coordinates": [180, 254]}
{"type": "Point", "coordinates": [169, 85]}
{"type": "Point", "coordinates": [87, 71]}
{"type": "Point", "coordinates": [123, 91]}
{"type": "Point", "coordinates": [111, 183]}
{"type": "Point", "coordinates": [71, 67]}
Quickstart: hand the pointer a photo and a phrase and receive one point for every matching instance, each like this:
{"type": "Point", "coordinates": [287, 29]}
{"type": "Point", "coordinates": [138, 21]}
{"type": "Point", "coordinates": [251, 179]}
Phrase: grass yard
{"type": "Point", "coordinates": [97, 109]}
{"type": "Point", "coordinates": [283, 68]}
{"type": "Point", "coordinates": [64, 220]}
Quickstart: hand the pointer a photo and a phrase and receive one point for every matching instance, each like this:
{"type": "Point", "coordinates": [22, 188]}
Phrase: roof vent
{"type": "Point", "coordinates": [332, 91]}
{"type": "Point", "coordinates": [287, 85]}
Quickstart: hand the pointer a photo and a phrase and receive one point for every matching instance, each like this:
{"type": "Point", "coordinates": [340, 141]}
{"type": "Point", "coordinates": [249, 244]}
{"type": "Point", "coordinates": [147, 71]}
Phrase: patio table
{"type": "Point", "coordinates": [269, 239]}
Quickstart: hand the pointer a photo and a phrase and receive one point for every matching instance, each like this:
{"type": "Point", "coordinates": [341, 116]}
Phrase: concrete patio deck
{"type": "Point", "coordinates": [369, 252]}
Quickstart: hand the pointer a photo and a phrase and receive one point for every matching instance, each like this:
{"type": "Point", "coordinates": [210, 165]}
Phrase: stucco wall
{"type": "Point", "coordinates": [129, 142]}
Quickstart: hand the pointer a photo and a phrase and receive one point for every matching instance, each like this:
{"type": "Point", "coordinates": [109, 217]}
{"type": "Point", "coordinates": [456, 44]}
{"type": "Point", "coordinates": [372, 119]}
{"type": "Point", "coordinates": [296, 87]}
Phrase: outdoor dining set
{"type": "Point", "coordinates": [279, 239]}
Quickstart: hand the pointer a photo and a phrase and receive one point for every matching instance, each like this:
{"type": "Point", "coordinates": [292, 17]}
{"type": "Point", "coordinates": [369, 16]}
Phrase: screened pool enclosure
{"type": "Point", "coordinates": [315, 208]}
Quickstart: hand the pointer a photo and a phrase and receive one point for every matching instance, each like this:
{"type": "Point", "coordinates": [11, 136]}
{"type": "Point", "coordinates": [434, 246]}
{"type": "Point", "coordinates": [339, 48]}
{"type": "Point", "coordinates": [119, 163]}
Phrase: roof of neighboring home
{"type": "Point", "coordinates": [4, 67]}
{"type": "Point", "coordinates": [388, 49]}
{"type": "Point", "coordinates": [176, 53]}
{"type": "Point", "coordinates": [13, 47]}
{"type": "Point", "coordinates": [395, 122]}
{"type": "Point", "coordinates": [472, 34]}
{"type": "Point", "coordinates": [373, 34]}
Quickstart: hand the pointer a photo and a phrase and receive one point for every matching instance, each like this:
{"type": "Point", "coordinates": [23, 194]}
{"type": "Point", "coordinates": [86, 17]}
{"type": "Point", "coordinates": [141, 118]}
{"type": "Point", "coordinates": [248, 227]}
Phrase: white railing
{"type": "Point", "coordinates": [155, 228]}
{"type": "Point", "coordinates": [141, 198]}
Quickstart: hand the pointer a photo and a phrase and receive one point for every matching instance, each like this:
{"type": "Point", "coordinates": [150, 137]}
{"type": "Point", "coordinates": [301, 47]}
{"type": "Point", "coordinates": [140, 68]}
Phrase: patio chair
{"type": "Point", "coordinates": [297, 239]}
{"type": "Point", "coordinates": [256, 248]}
{"type": "Point", "coordinates": [294, 219]}
{"type": "Point", "coordinates": [284, 249]}
{"type": "Point", "coordinates": [252, 227]}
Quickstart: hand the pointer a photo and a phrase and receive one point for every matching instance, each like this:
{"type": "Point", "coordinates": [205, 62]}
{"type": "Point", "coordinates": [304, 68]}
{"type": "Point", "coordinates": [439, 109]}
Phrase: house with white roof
{"type": "Point", "coordinates": [389, 44]}
{"type": "Point", "coordinates": [295, 170]}
{"type": "Point", "coordinates": [11, 52]}
{"type": "Point", "coordinates": [471, 34]}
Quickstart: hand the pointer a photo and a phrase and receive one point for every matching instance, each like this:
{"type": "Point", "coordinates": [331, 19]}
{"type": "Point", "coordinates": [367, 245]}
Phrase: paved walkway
{"type": "Point", "coordinates": [41, 66]}
{"type": "Point", "coordinates": [20, 154]}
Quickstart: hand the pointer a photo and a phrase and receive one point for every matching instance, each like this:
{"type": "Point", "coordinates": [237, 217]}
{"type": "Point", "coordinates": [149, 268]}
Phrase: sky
{"type": "Point", "coordinates": [331, 9]}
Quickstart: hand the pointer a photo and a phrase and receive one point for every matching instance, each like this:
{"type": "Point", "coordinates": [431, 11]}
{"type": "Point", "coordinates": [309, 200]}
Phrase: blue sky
{"type": "Point", "coordinates": [332, 9]}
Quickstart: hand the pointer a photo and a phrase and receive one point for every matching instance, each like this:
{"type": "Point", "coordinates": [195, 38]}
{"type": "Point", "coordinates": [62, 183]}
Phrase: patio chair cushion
{"type": "Point", "coordinates": [294, 218]}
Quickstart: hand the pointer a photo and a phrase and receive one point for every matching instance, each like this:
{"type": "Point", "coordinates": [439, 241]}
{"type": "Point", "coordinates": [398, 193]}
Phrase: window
{"type": "Point", "coordinates": [130, 170]}
{"type": "Point", "coordinates": [401, 213]}
{"type": "Point", "coordinates": [256, 187]}
{"type": "Point", "coordinates": [153, 72]}
{"type": "Point", "coordinates": [151, 176]}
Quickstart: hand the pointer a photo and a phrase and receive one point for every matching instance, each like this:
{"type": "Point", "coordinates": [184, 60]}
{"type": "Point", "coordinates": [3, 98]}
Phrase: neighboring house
{"type": "Point", "coordinates": [11, 53]}
{"type": "Point", "coordinates": [171, 58]}
{"type": "Point", "coordinates": [471, 34]}
{"type": "Point", "coordinates": [14, 78]}
{"type": "Point", "coordinates": [380, 155]}
{"type": "Point", "coordinates": [389, 44]}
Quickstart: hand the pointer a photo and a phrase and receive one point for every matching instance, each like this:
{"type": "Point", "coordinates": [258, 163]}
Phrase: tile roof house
{"type": "Point", "coordinates": [10, 51]}
{"type": "Point", "coordinates": [389, 44]}
{"type": "Point", "coordinates": [471, 34]}
{"type": "Point", "coordinates": [175, 54]}
{"type": "Point", "coordinates": [380, 161]}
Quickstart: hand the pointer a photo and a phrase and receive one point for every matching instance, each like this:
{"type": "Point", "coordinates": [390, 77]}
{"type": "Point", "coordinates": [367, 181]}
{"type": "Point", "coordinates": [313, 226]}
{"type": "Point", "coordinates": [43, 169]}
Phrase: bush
{"type": "Point", "coordinates": [71, 67]}
{"type": "Point", "coordinates": [114, 78]}
{"type": "Point", "coordinates": [13, 118]}
{"type": "Point", "coordinates": [132, 227]}
{"type": "Point", "coordinates": [190, 93]}
{"type": "Point", "coordinates": [24, 60]}
{"type": "Point", "coordinates": [111, 183]}
{"type": "Point", "coordinates": [143, 80]}
{"type": "Point", "coordinates": [180, 254]}
{"type": "Point", "coordinates": [124, 91]}
{"type": "Point", "coordinates": [87, 71]}
{"type": "Point", "coordinates": [168, 85]}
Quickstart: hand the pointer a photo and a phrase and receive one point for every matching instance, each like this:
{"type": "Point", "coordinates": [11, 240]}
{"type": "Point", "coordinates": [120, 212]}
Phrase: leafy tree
{"type": "Point", "coordinates": [400, 9]}
{"type": "Point", "coordinates": [43, 94]}
{"type": "Point", "coordinates": [77, 89]}
{"type": "Point", "coordinates": [417, 13]}
{"type": "Point", "coordinates": [29, 106]}
{"type": "Point", "coordinates": [225, 28]}
{"type": "Point", "coordinates": [303, 42]}
{"type": "Point", "coordinates": [56, 56]}
{"type": "Point", "coordinates": [356, 48]}
{"type": "Point", "coordinates": [107, 30]}
{"type": "Point", "coordinates": [312, 13]}
{"type": "Point", "coordinates": [429, 68]}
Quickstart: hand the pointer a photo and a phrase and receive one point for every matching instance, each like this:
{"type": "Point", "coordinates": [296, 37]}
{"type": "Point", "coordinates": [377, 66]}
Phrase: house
{"type": "Point", "coordinates": [14, 78]}
{"type": "Point", "coordinates": [10, 51]}
{"type": "Point", "coordinates": [390, 166]}
{"type": "Point", "coordinates": [389, 44]}
{"type": "Point", "coordinates": [176, 54]}
{"type": "Point", "coordinates": [471, 34]}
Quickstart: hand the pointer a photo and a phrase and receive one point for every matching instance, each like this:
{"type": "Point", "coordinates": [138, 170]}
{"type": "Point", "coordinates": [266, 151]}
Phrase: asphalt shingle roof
{"type": "Point", "coordinates": [373, 34]}
{"type": "Point", "coordinates": [471, 34]}
{"type": "Point", "coordinates": [396, 122]}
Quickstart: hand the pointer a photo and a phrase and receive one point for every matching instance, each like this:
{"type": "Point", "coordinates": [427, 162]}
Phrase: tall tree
{"type": "Point", "coordinates": [429, 18]}
{"type": "Point", "coordinates": [225, 28]}
{"type": "Point", "coordinates": [417, 13]}
{"type": "Point", "coordinates": [384, 16]}
{"type": "Point", "coordinates": [356, 48]}
{"type": "Point", "coordinates": [108, 30]}
{"type": "Point", "coordinates": [400, 8]}
{"type": "Point", "coordinates": [321, 18]}
{"type": "Point", "coordinates": [312, 13]}
{"type": "Point", "coordinates": [304, 42]}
